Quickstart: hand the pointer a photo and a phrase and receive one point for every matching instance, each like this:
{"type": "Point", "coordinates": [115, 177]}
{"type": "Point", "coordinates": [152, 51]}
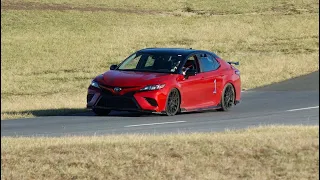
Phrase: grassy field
{"type": "Point", "coordinates": [51, 49]}
{"type": "Point", "coordinates": [290, 152]}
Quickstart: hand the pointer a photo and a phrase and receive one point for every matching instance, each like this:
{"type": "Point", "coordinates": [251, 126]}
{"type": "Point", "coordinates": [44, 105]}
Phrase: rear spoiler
{"type": "Point", "coordinates": [235, 63]}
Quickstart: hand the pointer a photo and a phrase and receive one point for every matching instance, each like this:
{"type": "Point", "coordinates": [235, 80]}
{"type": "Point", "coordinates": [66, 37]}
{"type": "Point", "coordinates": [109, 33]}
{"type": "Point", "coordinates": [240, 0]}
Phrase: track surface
{"type": "Point", "coordinates": [291, 102]}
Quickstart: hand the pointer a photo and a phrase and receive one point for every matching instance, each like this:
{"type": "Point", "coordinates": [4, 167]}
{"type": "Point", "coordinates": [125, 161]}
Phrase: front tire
{"type": "Point", "coordinates": [101, 112]}
{"type": "Point", "coordinates": [173, 103]}
{"type": "Point", "coordinates": [227, 97]}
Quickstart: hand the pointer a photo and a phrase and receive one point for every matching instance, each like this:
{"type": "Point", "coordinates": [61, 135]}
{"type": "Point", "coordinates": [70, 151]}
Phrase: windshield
{"type": "Point", "coordinates": [151, 63]}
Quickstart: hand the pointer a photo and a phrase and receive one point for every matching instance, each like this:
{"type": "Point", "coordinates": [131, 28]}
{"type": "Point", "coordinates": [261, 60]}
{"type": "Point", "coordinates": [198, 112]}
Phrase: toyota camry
{"type": "Point", "coordinates": [166, 81]}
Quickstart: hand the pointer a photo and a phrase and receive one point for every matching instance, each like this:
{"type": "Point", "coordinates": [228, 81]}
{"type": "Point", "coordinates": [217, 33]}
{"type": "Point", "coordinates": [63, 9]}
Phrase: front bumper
{"type": "Point", "coordinates": [143, 101]}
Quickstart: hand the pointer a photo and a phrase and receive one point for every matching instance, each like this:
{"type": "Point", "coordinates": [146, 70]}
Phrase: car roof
{"type": "Point", "coordinates": [176, 51]}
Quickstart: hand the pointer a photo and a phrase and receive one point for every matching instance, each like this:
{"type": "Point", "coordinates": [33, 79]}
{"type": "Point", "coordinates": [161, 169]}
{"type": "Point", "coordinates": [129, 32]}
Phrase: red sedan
{"type": "Point", "coordinates": [166, 81]}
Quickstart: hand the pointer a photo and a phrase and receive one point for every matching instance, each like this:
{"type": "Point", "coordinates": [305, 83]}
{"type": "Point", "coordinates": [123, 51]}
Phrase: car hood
{"type": "Point", "coordinates": [131, 78]}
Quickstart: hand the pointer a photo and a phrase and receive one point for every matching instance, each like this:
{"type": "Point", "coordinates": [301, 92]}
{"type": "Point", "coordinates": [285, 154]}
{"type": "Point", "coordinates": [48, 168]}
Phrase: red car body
{"type": "Point", "coordinates": [136, 89]}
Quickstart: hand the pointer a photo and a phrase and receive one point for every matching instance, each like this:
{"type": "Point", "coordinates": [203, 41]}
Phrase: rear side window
{"type": "Point", "coordinates": [208, 63]}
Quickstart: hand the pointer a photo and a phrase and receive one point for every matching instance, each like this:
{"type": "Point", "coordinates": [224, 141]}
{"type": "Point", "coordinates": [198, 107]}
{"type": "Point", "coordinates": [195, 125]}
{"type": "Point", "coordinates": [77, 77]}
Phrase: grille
{"type": "Point", "coordinates": [117, 102]}
{"type": "Point", "coordinates": [109, 93]}
{"type": "Point", "coordinates": [106, 92]}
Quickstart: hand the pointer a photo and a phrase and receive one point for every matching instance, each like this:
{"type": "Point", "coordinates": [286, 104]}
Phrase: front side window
{"type": "Point", "coordinates": [208, 63]}
{"type": "Point", "coordinates": [191, 63]}
{"type": "Point", "coordinates": [151, 62]}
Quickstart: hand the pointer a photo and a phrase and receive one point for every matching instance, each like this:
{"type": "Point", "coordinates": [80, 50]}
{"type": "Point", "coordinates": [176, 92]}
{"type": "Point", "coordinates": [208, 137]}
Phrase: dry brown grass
{"type": "Point", "coordinates": [275, 152]}
{"type": "Point", "coordinates": [49, 56]}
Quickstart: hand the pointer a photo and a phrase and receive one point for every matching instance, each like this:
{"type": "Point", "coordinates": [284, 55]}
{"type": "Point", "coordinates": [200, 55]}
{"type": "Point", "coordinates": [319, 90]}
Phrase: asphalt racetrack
{"type": "Point", "coordinates": [292, 102]}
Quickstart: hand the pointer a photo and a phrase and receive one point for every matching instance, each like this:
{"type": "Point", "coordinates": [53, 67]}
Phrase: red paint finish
{"type": "Point", "coordinates": [200, 91]}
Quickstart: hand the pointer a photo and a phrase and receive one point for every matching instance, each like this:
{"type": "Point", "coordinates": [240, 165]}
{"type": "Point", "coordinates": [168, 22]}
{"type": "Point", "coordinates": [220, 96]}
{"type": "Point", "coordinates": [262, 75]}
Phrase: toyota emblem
{"type": "Point", "coordinates": [117, 89]}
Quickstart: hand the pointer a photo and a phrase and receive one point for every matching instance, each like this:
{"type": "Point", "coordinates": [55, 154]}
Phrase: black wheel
{"type": "Point", "coordinates": [101, 112]}
{"type": "Point", "coordinates": [173, 103]}
{"type": "Point", "coordinates": [227, 98]}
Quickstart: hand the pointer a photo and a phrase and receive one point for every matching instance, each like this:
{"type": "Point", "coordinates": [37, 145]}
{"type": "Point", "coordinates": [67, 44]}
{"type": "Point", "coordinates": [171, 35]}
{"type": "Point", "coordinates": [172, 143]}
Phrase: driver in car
{"type": "Point", "coordinates": [188, 65]}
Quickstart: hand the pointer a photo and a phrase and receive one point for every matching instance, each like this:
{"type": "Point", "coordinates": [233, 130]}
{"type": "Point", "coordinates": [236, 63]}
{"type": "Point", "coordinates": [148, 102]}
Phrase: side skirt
{"type": "Point", "coordinates": [201, 109]}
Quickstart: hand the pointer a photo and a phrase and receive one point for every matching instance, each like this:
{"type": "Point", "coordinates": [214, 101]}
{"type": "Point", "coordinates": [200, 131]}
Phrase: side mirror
{"type": "Point", "coordinates": [114, 66]}
{"type": "Point", "coordinates": [191, 72]}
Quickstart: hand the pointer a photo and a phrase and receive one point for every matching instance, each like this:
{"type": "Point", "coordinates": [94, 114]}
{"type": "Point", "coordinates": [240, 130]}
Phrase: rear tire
{"type": "Point", "coordinates": [173, 103]}
{"type": "Point", "coordinates": [227, 97]}
{"type": "Point", "coordinates": [101, 112]}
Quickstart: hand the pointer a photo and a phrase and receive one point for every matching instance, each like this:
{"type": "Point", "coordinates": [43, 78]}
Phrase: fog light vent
{"type": "Point", "coordinates": [152, 102]}
{"type": "Point", "coordinates": [89, 97]}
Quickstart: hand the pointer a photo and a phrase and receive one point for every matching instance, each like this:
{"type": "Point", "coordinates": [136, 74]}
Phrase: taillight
{"type": "Point", "coordinates": [237, 72]}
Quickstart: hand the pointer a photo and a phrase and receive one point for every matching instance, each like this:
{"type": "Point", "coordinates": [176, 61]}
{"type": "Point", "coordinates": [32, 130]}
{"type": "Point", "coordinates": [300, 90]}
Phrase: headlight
{"type": "Point", "coordinates": [95, 84]}
{"type": "Point", "coordinates": [153, 87]}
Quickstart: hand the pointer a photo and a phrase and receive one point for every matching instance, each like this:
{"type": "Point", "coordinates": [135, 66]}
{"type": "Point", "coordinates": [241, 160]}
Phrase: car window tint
{"type": "Point", "coordinates": [208, 63]}
{"type": "Point", "coordinates": [215, 62]}
{"type": "Point", "coordinates": [191, 63]}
